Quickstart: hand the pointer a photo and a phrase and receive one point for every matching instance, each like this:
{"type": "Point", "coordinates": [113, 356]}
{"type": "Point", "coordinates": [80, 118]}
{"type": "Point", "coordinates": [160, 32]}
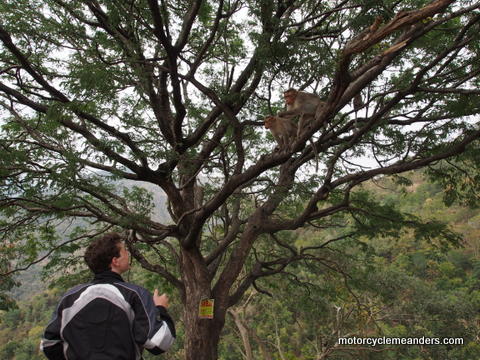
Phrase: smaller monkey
{"type": "Point", "coordinates": [357, 105]}
{"type": "Point", "coordinates": [301, 103]}
{"type": "Point", "coordinates": [283, 130]}
{"type": "Point", "coordinates": [358, 102]}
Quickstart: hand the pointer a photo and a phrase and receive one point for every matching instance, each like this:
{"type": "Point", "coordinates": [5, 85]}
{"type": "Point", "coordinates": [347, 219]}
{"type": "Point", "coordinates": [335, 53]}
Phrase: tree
{"type": "Point", "coordinates": [168, 93]}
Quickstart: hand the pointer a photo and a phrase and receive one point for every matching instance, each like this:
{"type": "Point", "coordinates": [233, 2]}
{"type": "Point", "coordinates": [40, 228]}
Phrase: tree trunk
{"type": "Point", "coordinates": [201, 335]}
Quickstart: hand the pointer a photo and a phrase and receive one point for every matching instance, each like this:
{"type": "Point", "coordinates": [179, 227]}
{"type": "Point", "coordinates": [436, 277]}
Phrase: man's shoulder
{"type": "Point", "coordinates": [73, 293]}
{"type": "Point", "coordinates": [76, 289]}
{"type": "Point", "coordinates": [134, 288]}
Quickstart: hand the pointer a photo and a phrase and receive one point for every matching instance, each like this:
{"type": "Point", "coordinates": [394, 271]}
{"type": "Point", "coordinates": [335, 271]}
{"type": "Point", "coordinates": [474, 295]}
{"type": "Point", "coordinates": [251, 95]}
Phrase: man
{"type": "Point", "coordinates": [108, 319]}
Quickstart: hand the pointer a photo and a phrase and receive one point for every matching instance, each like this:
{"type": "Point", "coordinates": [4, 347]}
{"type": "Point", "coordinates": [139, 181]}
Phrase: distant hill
{"type": "Point", "coordinates": [416, 288]}
{"type": "Point", "coordinates": [160, 212]}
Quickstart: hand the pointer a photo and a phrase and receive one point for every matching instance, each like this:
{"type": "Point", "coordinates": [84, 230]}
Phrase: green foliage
{"type": "Point", "coordinates": [391, 284]}
{"type": "Point", "coordinates": [22, 328]}
{"type": "Point", "coordinates": [95, 93]}
{"type": "Point", "coordinates": [459, 178]}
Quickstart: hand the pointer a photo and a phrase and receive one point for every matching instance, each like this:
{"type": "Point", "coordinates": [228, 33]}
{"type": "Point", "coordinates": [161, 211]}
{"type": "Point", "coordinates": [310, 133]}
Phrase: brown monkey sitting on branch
{"type": "Point", "coordinates": [303, 104]}
{"type": "Point", "coordinates": [283, 130]}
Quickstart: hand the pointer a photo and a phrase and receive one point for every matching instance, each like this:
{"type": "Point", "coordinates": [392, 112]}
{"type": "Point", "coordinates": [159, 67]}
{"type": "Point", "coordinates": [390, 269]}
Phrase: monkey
{"type": "Point", "coordinates": [358, 102]}
{"type": "Point", "coordinates": [357, 105]}
{"type": "Point", "coordinates": [303, 104]}
{"type": "Point", "coordinates": [306, 105]}
{"type": "Point", "coordinates": [283, 130]}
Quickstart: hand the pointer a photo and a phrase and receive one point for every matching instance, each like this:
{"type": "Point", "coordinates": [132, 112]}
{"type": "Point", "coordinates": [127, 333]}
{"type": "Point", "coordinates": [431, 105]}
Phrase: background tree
{"type": "Point", "coordinates": [171, 93]}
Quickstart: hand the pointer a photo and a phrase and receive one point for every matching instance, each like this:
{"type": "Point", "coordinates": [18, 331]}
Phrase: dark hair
{"type": "Point", "coordinates": [101, 251]}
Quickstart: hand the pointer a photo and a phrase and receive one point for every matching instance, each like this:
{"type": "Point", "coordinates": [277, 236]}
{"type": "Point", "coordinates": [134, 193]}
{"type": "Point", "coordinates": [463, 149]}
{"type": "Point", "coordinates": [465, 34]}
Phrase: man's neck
{"type": "Point", "coordinates": [108, 276]}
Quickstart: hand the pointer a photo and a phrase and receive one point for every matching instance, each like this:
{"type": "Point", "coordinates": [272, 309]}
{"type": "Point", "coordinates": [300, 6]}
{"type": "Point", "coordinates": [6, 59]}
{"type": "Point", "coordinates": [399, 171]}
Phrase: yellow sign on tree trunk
{"type": "Point", "coordinates": [205, 310]}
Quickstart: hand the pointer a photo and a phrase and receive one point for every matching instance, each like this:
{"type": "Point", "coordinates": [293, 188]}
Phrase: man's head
{"type": "Point", "coordinates": [107, 253]}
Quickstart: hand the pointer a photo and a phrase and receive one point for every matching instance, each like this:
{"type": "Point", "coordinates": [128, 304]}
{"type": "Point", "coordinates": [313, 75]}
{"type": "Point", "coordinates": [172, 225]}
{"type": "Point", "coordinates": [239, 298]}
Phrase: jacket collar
{"type": "Point", "coordinates": [107, 277]}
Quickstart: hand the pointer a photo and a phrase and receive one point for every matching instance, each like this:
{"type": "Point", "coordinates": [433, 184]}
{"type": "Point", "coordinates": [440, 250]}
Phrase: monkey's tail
{"type": "Point", "coordinates": [315, 153]}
